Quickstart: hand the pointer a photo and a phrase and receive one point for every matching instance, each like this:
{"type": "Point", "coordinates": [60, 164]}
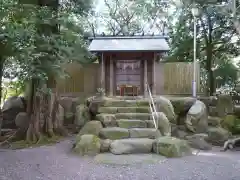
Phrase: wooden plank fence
{"type": "Point", "coordinates": [178, 78]}
{"type": "Point", "coordinates": [174, 79]}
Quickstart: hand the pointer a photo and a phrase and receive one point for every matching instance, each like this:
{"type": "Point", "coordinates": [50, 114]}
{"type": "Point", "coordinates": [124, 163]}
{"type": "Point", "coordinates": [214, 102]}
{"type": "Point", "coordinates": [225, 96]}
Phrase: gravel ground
{"type": "Point", "coordinates": [56, 163]}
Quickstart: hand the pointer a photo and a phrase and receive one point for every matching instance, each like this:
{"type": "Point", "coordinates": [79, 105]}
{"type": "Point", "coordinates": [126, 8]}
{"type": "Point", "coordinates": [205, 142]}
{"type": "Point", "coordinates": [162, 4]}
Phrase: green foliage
{"type": "Point", "coordinates": [231, 123]}
{"type": "Point", "coordinates": [33, 45]}
{"type": "Point", "coordinates": [129, 17]}
{"type": "Point", "coordinates": [217, 41]}
{"type": "Point", "coordinates": [14, 88]}
{"type": "Point", "coordinates": [226, 73]}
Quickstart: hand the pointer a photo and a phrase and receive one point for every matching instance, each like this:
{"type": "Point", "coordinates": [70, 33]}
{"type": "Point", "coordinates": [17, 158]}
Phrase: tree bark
{"type": "Point", "coordinates": [42, 106]}
{"type": "Point", "coordinates": [211, 80]}
{"type": "Point", "coordinates": [1, 75]}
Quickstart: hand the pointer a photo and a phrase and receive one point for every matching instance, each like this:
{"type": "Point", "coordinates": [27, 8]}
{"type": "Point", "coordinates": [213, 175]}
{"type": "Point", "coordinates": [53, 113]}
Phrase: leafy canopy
{"type": "Point", "coordinates": [35, 54]}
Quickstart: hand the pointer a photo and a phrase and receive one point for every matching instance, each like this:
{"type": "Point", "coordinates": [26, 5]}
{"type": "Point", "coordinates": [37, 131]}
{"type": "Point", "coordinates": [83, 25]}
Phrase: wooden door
{"type": "Point", "coordinates": [128, 76]}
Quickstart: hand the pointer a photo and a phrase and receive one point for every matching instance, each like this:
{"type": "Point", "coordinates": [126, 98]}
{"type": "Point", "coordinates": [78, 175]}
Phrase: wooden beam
{"type": "Point", "coordinates": [102, 72]}
{"type": "Point", "coordinates": [154, 75]}
{"type": "Point", "coordinates": [145, 78]}
{"type": "Point", "coordinates": [111, 76]}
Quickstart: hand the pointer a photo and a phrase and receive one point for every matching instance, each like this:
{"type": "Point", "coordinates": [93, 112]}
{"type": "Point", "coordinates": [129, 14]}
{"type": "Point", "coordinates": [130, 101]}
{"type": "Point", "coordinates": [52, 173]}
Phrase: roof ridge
{"type": "Point", "coordinates": [130, 37]}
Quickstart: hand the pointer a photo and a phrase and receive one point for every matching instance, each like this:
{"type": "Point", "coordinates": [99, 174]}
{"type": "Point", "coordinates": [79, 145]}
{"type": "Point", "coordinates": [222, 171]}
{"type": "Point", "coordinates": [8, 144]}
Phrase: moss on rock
{"type": "Point", "coordinates": [108, 110]}
{"type": "Point", "coordinates": [108, 120]}
{"type": "Point", "coordinates": [131, 124]}
{"type": "Point", "coordinates": [231, 123]}
{"type": "Point", "coordinates": [139, 116]}
{"type": "Point", "coordinates": [82, 115]}
{"type": "Point", "coordinates": [217, 136]}
{"type": "Point", "coordinates": [171, 147]}
{"type": "Point", "coordinates": [114, 133]}
{"type": "Point", "coordinates": [92, 127]}
{"type": "Point", "coordinates": [87, 144]}
{"type": "Point", "coordinates": [214, 121]}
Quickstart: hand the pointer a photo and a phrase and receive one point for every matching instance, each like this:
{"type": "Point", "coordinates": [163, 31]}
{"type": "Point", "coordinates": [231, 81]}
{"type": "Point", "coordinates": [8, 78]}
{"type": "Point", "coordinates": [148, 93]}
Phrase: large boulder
{"type": "Point", "coordinates": [237, 110]}
{"type": "Point", "coordinates": [10, 109]}
{"type": "Point", "coordinates": [134, 145]}
{"type": "Point", "coordinates": [60, 114]}
{"type": "Point", "coordinates": [108, 120]}
{"type": "Point", "coordinates": [69, 104]}
{"type": "Point", "coordinates": [105, 145]}
{"type": "Point", "coordinates": [237, 87]}
{"type": "Point", "coordinates": [87, 144]}
{"type": "Point", "coordinates": [164, 105]}
{"type": "Point", "coordinates": [214, 121]}
{"type": "Point", "coordinates": [197, 141]}
{"type": "Point", "coordinates": [212, 111]}
{"type": "Point", "coordinates": [22, 121]}
{"type": "Point", "coordinates": [197, 119]}
{"type": "Point", "coordinates": [209, 100]}
{"type": "Point", "coordinates": [179, 131]}
{"type": "Point", "coordinates": [94, 103]}
{"type": "Point", "coordinates": [217, 136]}
{"type": "Point", "coordinates": [163, 123]}
{"type": "Point", "coordinates": [82, 115]}
{"type": "Point", "coordinates": [171, 147]}
{"type": "Point", "coordinates": [224, 105]}
{"type": "Point", "coordinates": [182, 104]}
{"type": "Point", "coordinates": [91, 127]}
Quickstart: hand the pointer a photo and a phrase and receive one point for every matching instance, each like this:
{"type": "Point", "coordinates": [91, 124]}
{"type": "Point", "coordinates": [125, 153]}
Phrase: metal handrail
{"type": "Point", "coordinates": [152, 106]}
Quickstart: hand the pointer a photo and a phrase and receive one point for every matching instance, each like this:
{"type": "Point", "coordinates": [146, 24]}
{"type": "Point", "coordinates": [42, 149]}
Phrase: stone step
{"type": "Point", "coordinates": [129, 123]}
{"type": "Point", "coordinates": [140, 116]}
{"type": "Point", "coordinates": [108, 120]}
{"type": "Point", "coordinates": [114, 110]}
{"type": "Point", "coordinates": [124, 103]}
{"type": "Point", "coordinates": [131, 146]}
{"type": "Point", "coordinates": [114, 133]}
{"type": "Point", "coordinates": [150, 133]}
{"type": "Point", "coordinates": [134, 109]}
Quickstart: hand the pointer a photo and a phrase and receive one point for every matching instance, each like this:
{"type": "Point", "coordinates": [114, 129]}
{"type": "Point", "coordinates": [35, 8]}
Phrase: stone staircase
{"type": "Point", "coordinates": [128, 125]}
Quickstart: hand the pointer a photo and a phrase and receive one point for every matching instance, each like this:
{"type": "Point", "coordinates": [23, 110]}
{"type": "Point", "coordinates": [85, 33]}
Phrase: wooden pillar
{"type": "Point", "coordinates": [154, 75]}
{"type": "Point", "coordinates": [111, 77]}
{"type": "Point", "coordinates": [103, 72]}
{"type": "Point", "coordinates": [145, 78]}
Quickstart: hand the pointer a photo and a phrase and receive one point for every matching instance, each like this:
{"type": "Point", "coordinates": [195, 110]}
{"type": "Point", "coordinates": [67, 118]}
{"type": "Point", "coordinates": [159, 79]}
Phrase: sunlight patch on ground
{"type": "Point", "coordinates": [205, 153]}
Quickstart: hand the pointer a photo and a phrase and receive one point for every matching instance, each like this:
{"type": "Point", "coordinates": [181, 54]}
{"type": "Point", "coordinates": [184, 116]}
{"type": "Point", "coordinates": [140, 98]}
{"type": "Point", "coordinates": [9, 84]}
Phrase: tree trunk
{"type": "Point", "coordinates": [43, 114]}
{"type": "Point", "coordinates": [211, 81]}
{"type": "Point", "coordinates": [43, 108]}
{"type": "Point", "coordinates": [1, 75]}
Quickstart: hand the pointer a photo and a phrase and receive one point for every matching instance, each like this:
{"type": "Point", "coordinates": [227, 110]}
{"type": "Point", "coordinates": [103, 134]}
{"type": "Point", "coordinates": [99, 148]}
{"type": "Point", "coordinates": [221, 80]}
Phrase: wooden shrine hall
{"type": "Point", "coordinates": [128, 64]}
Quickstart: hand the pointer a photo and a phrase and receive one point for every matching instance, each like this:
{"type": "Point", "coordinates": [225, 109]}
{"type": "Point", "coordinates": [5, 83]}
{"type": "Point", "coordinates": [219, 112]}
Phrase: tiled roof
{"type": "Point", "coordinates": [128, 43]}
